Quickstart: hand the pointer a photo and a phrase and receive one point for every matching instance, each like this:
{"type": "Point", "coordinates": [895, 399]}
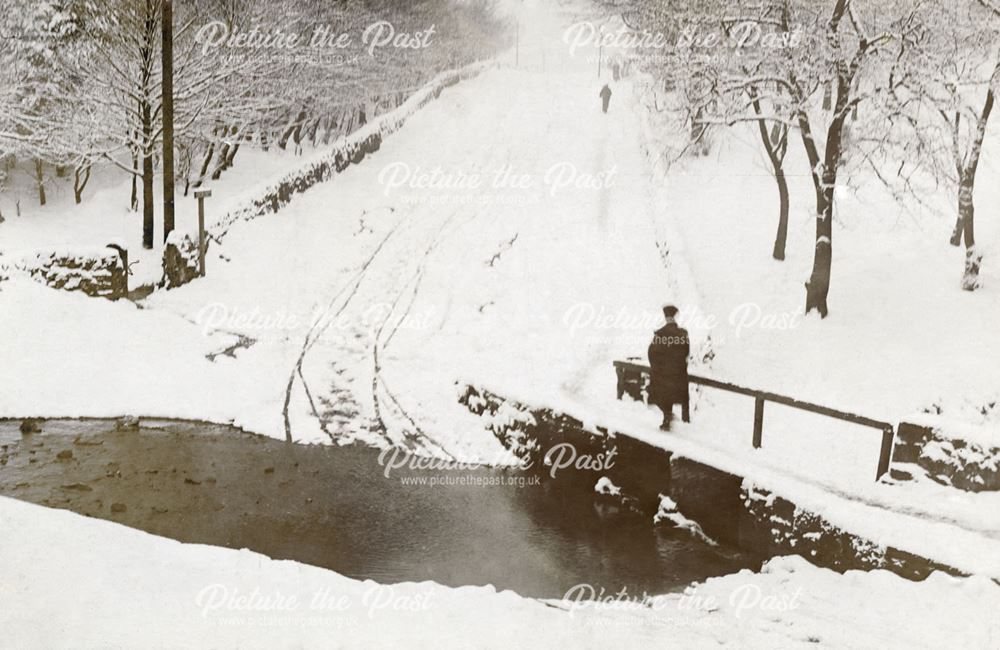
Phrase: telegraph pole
{"type": "Point", "coordinates": [167, 50]}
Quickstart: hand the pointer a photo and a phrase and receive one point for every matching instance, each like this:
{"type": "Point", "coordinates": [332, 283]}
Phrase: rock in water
{"type": "Point", "coordinates": [605, 486]}
{"type": "Point", "coordinates": [127, 422]}
{"type": "Point", "coordinates": [669, 512]}
{"type": "Point", "coordinates": [30, 426]}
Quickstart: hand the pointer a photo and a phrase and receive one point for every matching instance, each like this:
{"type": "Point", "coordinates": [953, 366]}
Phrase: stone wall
{"type": "Point", "coordinates": [180, 260]}
{"type": "Point", "coordinates": [349, 151]}
{"type": "Point", "coordinates": [948, 454]}
{"type": "Point", "coordinates": [99, 273]}
{"type": "Point", "coordinates": [728, 508]}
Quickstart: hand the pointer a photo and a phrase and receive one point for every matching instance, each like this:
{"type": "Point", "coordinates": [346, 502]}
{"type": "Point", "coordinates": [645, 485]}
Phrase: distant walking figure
{"type": "Point", "coordinates": [605, 98]}
{"type": "Point", "coordinates": [668, 355]}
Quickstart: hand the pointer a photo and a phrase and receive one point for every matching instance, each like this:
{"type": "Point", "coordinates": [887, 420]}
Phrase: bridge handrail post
{"type": "Point", "coordinates": [758, 421]}
{"type": "Point", "coordinates": [885, 453]}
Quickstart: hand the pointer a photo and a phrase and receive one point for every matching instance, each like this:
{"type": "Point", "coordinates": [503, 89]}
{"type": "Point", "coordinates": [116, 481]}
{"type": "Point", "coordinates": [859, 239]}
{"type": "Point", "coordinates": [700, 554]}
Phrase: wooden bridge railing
{"type": "Point", "coordinates": [630, 381]}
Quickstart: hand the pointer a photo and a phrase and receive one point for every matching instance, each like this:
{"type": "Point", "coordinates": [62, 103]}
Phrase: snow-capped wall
{"type": "Point", "coordinates": [775, 526]}
{"type": "Point", "coordinates": [347, 151]}
{"type": "Point", "coordinates": [955, 454]}
{"type": "Point", "coordinates": [96, 272]}
{"type": "Point", "coordinates": [180, 260]}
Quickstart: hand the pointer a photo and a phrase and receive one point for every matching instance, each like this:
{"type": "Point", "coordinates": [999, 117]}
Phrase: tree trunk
{"type": "Point", "coordinates": [133, 202]}
{"type": "Point", "coordinates": [220, 163]}
{"type": "Point", "coordinates": [966, 217]}
{"type": "Point", "coordinates": [209, 153]}
{"type": "Point", "coordinates": [292, 129]}
{"type": "Point", "coordinates": [329, 124]}
{"type": "Point", "coordinates": [966, 208]}
{"type": "Point", "coordinates": [818, 286]}
{"type": "Point", "coordinates": [314, 131]}
{"type": "Point", "coordinates": [40, 180]}
{"type": "Point", "coordinates": [167, 85]}
{"type": "Point", "coordinates": [81, 176]}
{"type": "Point", "coordinates": [775, 145]}
{"type": "Point", "coordinates": [146, 123]}
{"type": "Point", "coordinates": [782, 235]}
{"type": "Point", "coordinates": [147, 178]}
{"type": "Point", "coordinates": [232, 154]}
{"type": "Point", "coordinates": [956, 233]}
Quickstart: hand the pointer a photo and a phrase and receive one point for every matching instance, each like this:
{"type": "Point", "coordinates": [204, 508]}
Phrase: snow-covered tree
{"type": "Point", "coordinates": [947, 83]}
{"type": "Point", "coordinates": [800, 48]}
{"type": "Point", "coordinates": [35, 85]}
{"type": "Point", "coordinates": [82, 82]}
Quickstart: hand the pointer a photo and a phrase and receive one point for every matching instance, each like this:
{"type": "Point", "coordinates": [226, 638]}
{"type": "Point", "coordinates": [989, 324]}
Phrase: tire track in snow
{"type": "Point", "coordinates": [315, 331]}
{"type": "Point", "coordinates": [345, 405]}
{"type": "Point", "coordinates": [378, 380]}
{"type": "Point", "coordinates": [340, 399]}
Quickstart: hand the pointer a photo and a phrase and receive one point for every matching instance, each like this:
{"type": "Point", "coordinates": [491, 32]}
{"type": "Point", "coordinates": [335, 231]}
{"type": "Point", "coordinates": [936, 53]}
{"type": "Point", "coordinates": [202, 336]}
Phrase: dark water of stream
{"type": "Point", "coordinates": [333, 507]}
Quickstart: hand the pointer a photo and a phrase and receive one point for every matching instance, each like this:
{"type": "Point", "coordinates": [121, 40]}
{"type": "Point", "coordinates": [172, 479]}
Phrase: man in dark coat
{"type": "Point", "coordinates": [605, 95]}
{"type": "Point", "coordinates": [668, 355]}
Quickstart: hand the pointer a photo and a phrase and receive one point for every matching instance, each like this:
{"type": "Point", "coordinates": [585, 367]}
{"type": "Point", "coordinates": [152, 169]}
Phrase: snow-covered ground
{"type": "Point", "coordinates": [496, 238]}
{"type": "Point", "coordinates": [104, 217]}
{"type": "Point", "coordinates": [352, 313]}
{"type": "Point", "coordinates": [71, 581]}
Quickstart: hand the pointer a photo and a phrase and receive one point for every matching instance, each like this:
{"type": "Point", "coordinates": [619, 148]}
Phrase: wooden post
{"type": "Point", "coordinates": [201, 195]}
{"type": "Point", "coordinates": [885, 455]}
{"type": "Point", "coordinates": [758, 421]}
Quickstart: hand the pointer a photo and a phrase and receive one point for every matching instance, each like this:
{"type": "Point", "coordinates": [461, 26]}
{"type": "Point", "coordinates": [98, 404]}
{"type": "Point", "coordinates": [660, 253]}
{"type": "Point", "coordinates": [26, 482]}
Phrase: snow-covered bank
{"type": "Point", "coordinates": [69, 581]}
{"type": "Point", "coordinates": [76, 356]}
{"type": "Point", "coordinates": [261, 182]}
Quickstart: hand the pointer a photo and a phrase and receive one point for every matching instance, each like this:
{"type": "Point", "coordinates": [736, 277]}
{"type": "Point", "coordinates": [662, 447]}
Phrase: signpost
{"type": "Point", "coordinates": [201, 195]}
